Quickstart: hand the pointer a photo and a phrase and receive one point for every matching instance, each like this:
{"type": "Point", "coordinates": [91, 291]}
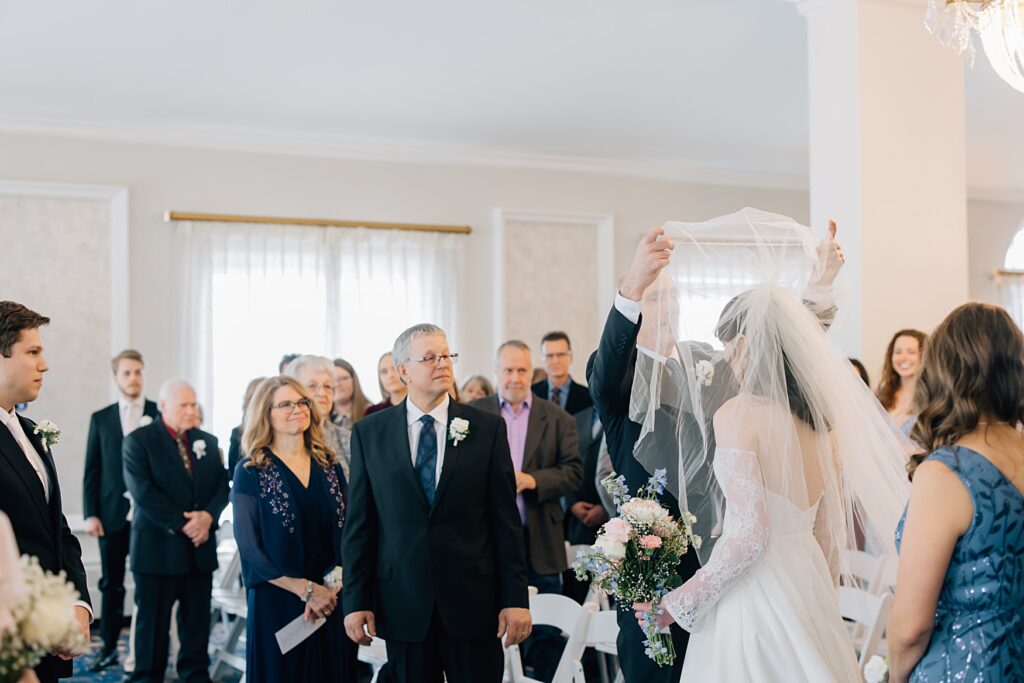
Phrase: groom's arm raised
{"type": "Point", "coordinates": [610, 378]}
{"type": "Point", "coordinates": [359, 547]}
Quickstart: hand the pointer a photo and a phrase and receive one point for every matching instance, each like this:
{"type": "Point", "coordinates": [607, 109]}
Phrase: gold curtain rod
{"type": "Point", "coordinates": [1002, 272]}
{"type": "Point", "coordinates": [314, 222]}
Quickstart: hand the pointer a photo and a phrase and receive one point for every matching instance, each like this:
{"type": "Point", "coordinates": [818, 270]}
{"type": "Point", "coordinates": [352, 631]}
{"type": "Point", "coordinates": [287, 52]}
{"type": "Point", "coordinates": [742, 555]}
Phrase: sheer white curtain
{"type": "Point", "coordinates": [1011, 295]}
{"type": "Point", "coordinates": [252, 293]}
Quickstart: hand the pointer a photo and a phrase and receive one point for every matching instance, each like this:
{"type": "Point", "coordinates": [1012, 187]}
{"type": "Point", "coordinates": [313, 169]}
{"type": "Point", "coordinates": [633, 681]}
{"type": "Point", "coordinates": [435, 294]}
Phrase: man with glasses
{"type": "Point", "coordinates": [316, 373]}
{"type": "Point", "coordinates": [559, 387]}
{"type": "Point", "coordinates": [433, 542]}
{"type": "Point", "coordinates": [180, 487]}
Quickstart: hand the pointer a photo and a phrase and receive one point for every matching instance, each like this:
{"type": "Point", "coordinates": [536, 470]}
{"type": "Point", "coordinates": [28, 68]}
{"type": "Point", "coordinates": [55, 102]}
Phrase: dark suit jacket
{"type": "Point", "coordinates": [163, 491]}
{"type": "Point", "coordinates": [463, 556]}
{"type": "Point", "coordinates": [579, 396]}
{"type": "Point", "coordinates": [39, 527]}
{"type": "Point", "coordinates": [552, 456]}
{"type": "Point", "coordinates": [590, 446]}
{"type": "Point", "coordinates": [235, 454]}
{"type": "Point", "coordinates": [103, 483]}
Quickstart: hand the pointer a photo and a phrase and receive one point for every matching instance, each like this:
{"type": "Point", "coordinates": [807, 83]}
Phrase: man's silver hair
{"type": "Point", "coordinates": [173, 386]}
{"type": "Point", "coordinates": [310, 363]}
{"type": "Point", "coordinates": [400, 351]}
{"type": "Point", "coordinates": [511, 344]}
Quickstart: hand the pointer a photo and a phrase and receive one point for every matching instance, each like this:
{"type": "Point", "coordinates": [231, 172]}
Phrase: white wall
{"type": "Point", "coordinates": [991, 226]}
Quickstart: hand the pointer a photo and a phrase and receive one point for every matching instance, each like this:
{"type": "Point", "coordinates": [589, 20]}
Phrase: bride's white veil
{"type": "Point", "coordinates": [737, 320]}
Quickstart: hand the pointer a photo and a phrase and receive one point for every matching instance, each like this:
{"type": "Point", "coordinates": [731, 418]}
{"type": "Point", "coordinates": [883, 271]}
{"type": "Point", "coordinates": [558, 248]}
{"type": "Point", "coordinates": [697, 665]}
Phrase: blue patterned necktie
{"type": "Point", "coordinates": [426, 457]}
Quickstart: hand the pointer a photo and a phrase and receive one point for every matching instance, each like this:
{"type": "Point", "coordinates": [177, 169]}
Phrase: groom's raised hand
{"type": "Point", "coordinates": [354, 623]}
{"type": "Point", "coordinates": [650, 258]}
{"type": "Point", "coordinates": [515, 623]}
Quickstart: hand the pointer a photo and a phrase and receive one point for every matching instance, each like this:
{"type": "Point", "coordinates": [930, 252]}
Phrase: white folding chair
{"type": "Point", "coordinates": [228, 599]}
{"type": "Point", "coordinates": [869, 611]}
{"type": "Point", "coordinates": [547, 609]}
{"type": "Point", "coordinates": [864, 567]}
{"type": "Point", "coordinates": [602, 634]}
{"type": "Point", "coordinates": [376, 655]}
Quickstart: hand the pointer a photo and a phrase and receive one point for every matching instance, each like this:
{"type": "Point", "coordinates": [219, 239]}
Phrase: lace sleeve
{"type": "Point", "coordinates": [744, 541]}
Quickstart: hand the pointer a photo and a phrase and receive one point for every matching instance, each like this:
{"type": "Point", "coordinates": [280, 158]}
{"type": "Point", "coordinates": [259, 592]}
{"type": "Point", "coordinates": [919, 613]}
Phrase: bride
{"type": "Point", "coordinates": [776, 471]}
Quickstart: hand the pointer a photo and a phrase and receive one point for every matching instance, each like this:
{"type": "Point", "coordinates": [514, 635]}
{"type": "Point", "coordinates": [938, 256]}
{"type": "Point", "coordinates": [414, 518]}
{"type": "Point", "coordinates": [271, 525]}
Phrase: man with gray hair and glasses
{"type": "Point", "coordinates": [316, 373]}
{"type": "Point", "coordinates": [433, 542]}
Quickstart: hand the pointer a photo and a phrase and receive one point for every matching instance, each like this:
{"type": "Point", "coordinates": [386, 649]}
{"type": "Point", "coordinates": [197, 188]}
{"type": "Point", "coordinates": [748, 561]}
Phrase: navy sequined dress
{"type": "Point", "coordinates": [979, 621]}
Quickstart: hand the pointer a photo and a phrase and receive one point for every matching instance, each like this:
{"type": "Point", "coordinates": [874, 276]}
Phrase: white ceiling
{"type": "Point", "coordinates": [715, 85]}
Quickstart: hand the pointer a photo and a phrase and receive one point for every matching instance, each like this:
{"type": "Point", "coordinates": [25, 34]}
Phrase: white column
{"type": "Point", "coordinates": [887, 160]}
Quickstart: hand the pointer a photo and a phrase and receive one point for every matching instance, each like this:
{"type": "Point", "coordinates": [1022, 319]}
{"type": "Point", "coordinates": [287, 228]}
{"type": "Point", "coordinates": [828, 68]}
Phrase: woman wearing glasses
{"type": "Point", "coordinates": [289, 506]}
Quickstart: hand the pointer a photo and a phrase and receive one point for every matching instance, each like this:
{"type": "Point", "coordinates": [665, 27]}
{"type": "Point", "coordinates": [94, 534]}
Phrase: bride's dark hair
{"type": "Point", "coordinates": [732, 323]}
{"type": "Point", "coordinates": [973, 367]}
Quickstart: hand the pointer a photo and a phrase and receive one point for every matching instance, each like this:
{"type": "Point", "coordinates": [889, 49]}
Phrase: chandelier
{"type": "Point", "coordinates": [997, 24]}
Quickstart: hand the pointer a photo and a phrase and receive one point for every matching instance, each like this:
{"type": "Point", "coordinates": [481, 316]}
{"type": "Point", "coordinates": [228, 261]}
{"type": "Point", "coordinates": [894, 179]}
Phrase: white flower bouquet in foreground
{"type": "Point", "coordinates": [636, 555]}
{"type": "Point", "coordinates": [877, 670]}
{"type": "Point", "coordinates": [41, 620]}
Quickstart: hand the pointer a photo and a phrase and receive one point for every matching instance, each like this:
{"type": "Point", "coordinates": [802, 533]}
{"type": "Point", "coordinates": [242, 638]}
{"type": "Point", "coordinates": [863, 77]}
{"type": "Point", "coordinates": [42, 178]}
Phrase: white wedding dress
{"type": "Point", "coordinates": [764, 608]}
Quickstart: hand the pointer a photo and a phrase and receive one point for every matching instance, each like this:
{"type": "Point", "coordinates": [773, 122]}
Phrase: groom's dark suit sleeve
{"type": "Point", "coordinates": [506, 527]}
{"type": "Point", "coordinates": [359, 537]}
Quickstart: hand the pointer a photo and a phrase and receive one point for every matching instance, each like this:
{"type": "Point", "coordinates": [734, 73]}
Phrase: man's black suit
{"type": "Point", "coordinates": [167, 567]}
{"type": "Point", "coordinates": [434, 576]}
{"type": "Point", "coordinates": [610, 384]}
{"type": "Point", "coordinates": [39, 527]}
{"type": "Point", "coordinates": [103, 496]}
{"type": "Point", "coordinates": [579, 396]}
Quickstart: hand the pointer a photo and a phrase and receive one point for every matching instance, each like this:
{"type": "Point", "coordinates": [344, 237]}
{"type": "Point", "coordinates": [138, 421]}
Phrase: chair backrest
{"type": "Point", "coordinates": [232, 572]}
{"type": "Point", "coordinates": [886, 581]}
{"type": "Point", "coordinates": [869, 611]}
{"type": "Point", "coordinates": [566, 614]}
{"type": "Point", "coordinates": [864, 566]}
{"type": "Point", "coordinates": [550, 609]}
{"type": "Point", "coordinates": [603, 628]}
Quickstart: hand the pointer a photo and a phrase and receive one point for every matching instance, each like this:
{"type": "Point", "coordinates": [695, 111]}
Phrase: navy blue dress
{"type": "Point", "coordinates": [286, 529]}
{"type": "Point", "coordinates": [979, 624]}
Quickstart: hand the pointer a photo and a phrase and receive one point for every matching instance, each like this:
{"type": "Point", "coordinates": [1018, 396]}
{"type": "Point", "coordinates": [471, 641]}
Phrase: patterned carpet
{"type": "Point", "coordinates": [116, 674]}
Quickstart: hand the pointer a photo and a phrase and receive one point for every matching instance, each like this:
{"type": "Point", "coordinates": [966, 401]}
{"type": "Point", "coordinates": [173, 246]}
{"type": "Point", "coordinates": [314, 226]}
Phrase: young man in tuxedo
{"type": "Point", "coordinates": [29, 489]}
{"type": "Point", "coordinates": [179, 487]}
{"type": "Point", "coordinates": [559, 387]}
{"type": "Point", "coordinates": [433, 541]}
{"type": "Point", "coordinates": [104, 497]}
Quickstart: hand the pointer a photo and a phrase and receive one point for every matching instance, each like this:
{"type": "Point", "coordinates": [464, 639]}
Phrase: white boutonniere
{"type": "Point", "coordinates": [48, 433]}
{"type": "Point", "coordinates": [458, 430]}
{"type": "Point", "coordinates": [705, 372]}
{"type": "Point", "coordinates": [199, 448]}
{"type": "Point", "coordinates": [145, 421]}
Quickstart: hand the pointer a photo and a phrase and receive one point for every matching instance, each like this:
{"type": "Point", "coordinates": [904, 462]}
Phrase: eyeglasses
{"type": "Point", "coordinates": [557, 354]}
{"type": "Point", "coordinates": [313, 388]}
{"type": "Point", "coordinates": [431, 359]}
{"type": "Point", "coordinates": [290, 406]}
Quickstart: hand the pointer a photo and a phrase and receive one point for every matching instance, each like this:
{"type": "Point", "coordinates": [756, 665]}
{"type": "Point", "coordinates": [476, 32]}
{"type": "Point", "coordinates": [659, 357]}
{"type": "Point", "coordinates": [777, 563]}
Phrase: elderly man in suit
{"type": "Point", "coordinates": [104, 496]}
{"type": "Point", "coordinates": [433, 545]}
{"type": "Point", "coordinates": [180, 487]}
{"type": "Point", "coordinates": [29, 489]}
{"type": "Point", "coordinates": [544, 445]}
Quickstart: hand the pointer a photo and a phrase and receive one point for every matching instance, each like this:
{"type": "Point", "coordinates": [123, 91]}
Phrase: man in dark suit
{"type": "Point", "coordinates": [29, 489]}
{"type": "Point", "coordinates": [179, 487]}
{"type": "Point", "coordinates": [545, 454]}
{"type": "Point", "coordinates": [103, 492]}
{"type": "Point", "coordinates": [432, 546]}
{"type": "Point", "coordinates": [559, 387]}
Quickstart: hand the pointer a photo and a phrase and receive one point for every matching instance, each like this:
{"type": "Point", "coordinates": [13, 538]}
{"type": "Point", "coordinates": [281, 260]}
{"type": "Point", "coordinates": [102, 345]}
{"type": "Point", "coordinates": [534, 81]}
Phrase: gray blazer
{"type": "Point", "coordinates": [552, 456]}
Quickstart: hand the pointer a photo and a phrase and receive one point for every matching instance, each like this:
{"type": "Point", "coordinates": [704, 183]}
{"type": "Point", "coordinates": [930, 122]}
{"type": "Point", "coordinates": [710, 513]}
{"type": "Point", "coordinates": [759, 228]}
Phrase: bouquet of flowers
{"type": "Point", "coordinates": [877, 670]}
{"type": "Point", "coordinates": [40, 620]}
{"type": "Point", "coordinates": [636, 555]}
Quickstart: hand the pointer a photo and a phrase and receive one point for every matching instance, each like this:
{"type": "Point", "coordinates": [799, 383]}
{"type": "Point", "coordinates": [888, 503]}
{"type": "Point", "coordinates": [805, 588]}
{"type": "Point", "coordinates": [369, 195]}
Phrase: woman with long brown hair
{"type": "Point", "coordinates": [960, 585]}
{"type": "Point", "coordinates": [289, 510]}
{"type": "Point", "coordinates": [391, 388]}
{"type": "Point", "coordinates": [899, 376]}
{"type": "Point", "coordinates": [350, 403]}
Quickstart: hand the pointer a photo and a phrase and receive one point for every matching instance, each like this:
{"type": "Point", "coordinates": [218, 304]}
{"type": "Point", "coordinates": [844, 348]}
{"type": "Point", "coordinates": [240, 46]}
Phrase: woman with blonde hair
{"type": "Point", "coordinates": [289, 507]}
{"type": "Point", "coordinates": [391, 388]}
{"type": "Point", "coordinates": [960, 584]}
{"type": "Point", "coordinates": [899, 376]}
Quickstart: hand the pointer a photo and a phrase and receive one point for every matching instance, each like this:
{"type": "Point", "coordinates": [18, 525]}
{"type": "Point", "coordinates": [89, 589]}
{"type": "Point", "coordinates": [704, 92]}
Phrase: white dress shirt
{"type": "Point", "coordinates": [11, 421]}
{"type": "Point", "coordinates": [130, 411]}
{"type": "Point", "coordinates": [440, 415]}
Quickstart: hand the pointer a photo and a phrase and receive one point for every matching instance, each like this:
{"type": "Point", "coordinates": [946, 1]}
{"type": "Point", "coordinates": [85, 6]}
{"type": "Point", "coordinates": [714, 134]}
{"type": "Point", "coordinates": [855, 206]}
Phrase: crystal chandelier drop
{"type": "Point", "coordinates": [997, 24]}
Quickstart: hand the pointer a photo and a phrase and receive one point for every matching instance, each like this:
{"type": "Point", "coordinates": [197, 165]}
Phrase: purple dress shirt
{"type": "Point", "coordinates": [517, 425]}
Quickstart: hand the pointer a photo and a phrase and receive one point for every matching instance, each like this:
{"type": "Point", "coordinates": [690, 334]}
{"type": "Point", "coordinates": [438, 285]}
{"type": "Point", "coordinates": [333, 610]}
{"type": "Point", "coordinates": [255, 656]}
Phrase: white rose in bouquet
{"type": "Point", "coordinates": [613, 550]}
